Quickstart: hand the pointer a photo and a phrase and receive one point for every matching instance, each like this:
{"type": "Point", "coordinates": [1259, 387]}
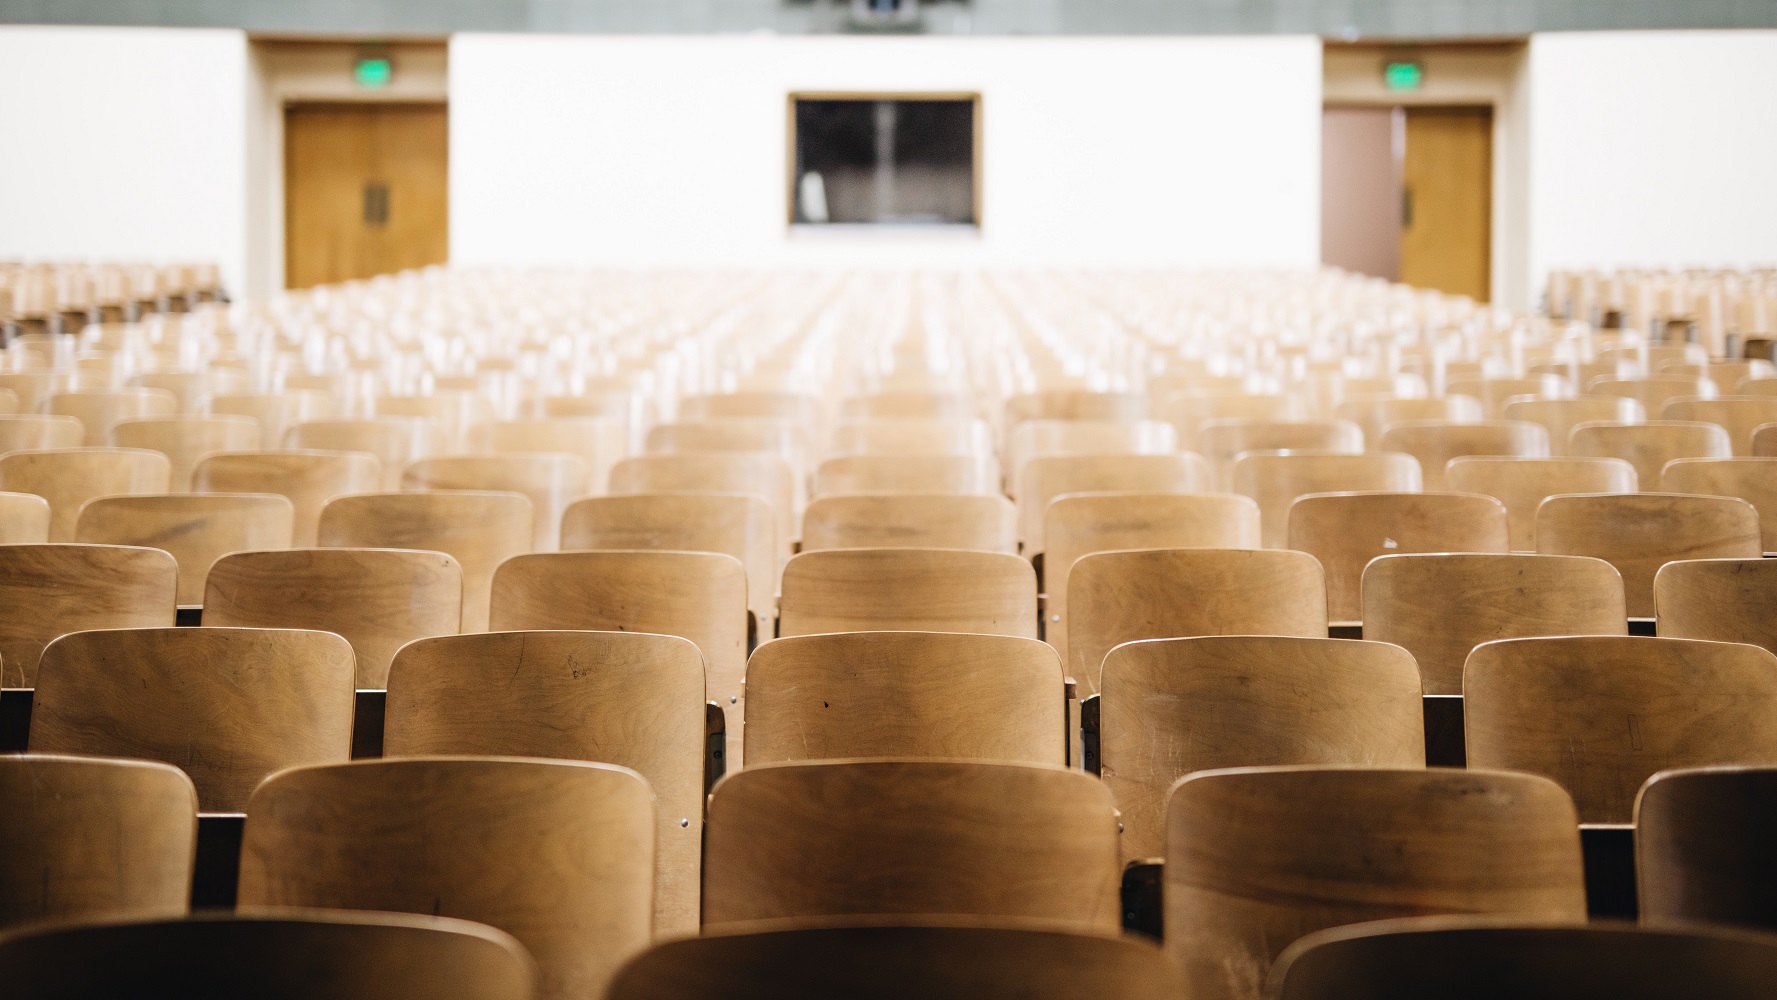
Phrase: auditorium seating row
{"type": "Point", "coordinates": [1729, 312]}
{"type": "Point", "coordinates": [63, 298]}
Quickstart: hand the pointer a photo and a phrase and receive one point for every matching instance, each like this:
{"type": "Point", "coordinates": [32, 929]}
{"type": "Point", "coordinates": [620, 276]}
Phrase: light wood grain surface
{"type": "Point", "coordinates": [910, 520]}
{"type": "Point", "coordinates": [195, 528]}
{"type": "Point", "coordinates": [64, 587]}
{"type": "Point", "coordinates": [24, 517]}
{"type": "Point", "coordinates": [1373, 413]}
{"type": "Point", "coordinates": [912, 437]}
{"type": "Point", "coordinates": [1344, 531]}
{"type": "Point", "coordinates": [276, 412]}
{"type": "Point", "coordinates": [1436, 442]}
{"type": "Point", "coordinates": [1727, 600]}
{"type": "Point", "coordinates": [964, 474]}
{"type": "Point", "coordinates": [1649, 446]}
{"type": "Point", "coordinates": [396, 442]}
{"type": "Point", "coordinates": [599, 442]}
{"type": "Point", "coordinates": [308, 479]}
{"type": "Point", "coordinates": [1275, 479]}
{"type": "Point", "coordinates": [1220, 442]}
{"type": "Point", "coordinates": [1702, 847]}
{"type": "Point", "coordinates": [99, 411]}
{"type": "Point", "coordinates": [69, 477]}
{"type": "Point", "coordinates": [1753, 480]}
{"type": "Point", "coordinates": [1640, 532]}
{"type": "Point", "coordinates": [736, 524]}
{"type": "Point", "coordinates": [185, 440]}
{"type": "Point", "coordinates": [1738, 415]}
{"type": "Point", "coordinates": [910, 405]}
{"type": "Point", "coordinates": [1044, 479]}
{"type": "Point", "coordinates": [39, 430]}
{"type": "Point", "coordinates": [550, 480]}
{"type": "Point", "coordinates": [1522, 484]}
{"type": "Point", "coordinates": [769, 476]}
{"type": "Point", "coordinates": [911, 590]}
{"type": "Point", "coordinates": [1560, 416]}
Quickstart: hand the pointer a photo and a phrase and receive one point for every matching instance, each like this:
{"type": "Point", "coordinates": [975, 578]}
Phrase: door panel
{"type": "Point", "coordinates": [1447, 211]}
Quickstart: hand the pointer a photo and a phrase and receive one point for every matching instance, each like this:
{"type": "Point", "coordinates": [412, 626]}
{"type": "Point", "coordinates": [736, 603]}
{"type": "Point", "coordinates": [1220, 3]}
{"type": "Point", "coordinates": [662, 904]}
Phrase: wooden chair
{"type": "Point", "coordinates": [908, 590]}
{"type": "Point", "coordinates": [1494, 392]}
{"type": "Point", "coordinates": [1650, 446]}
{"type": "Point", "coordinates": [1702, 847]}
{"type": "Point", "coordinates": [88, 838]}
{"type": "Point", "coordinates": [1440, 606]}
{"type": "Point", "coordinates": [1753, 480]}
{"type": "Point", "coordinates": [1726, 600]}
{"type": "Point", "coordinates": [959, 474]}
{"type": "Point", "coordinates": [192, 389]}
{"type": "Point", "coordinates": [873, 838]}
{"type": "Point", "coordinates": [1034, 439]}
{"type": "Point", "coordinates": [909, 405]}
{"type": "Point", "coordinates": [767, 476]}
{"type": "Point", "coordinates": [913, 437]}
{"type": "Point", "coordinates": [599, 442]}
{"type": "Point", "coordinates": [1738, 415]}
{"type": "Point", "coordinates": [700, 596]}
{"type": "Point", "coordinates": [196, 528]}
{"type": "Point", "coordinates": [479, 530]}
{"type": "Point", "coordinates": [1476, 959]}
{"type": "Point", "coordinates": [734, 524]}
{"type": "Point", "coordinates": [24, 517]}
{"type": "Point", "coordinates": [1764, 440]}
{"type": "Point", "coordinates": [38, 431]}
{"type": "Point", "coordinates": [1653, 391]}
{"type": "Point", "coordinates": [276, 412]}
{"type": "Point", "coordinates": [741, 434]}
{"type": "Point", "coordinates": [1557, 707]}
{"type": "Point", "coordinates": [227, 706]}
{"type": "Point", "coordinates": [634, 700]}
{"type": "Point", "coordinates": [68, 477]}
{"type": "Point", "coordinates": [60, 588]}
{"type": "Point", "coordinates": [1276, 479]}
{"type": "Point", "coordinates": [1071, 404]}
{"type": "Point", "coordinates": [1758, 385]}
{"type": "Point", "coordinates": [99, 411]}
{"type": "Point", "coordinates": [1373, 414]}
{"type": "Point", "coordinates": [1346, 530]}
{"type": "Point", "coordinates": [1522, 484]}
{"type": "Point", "coordinates": [286, 956]}
{"type": "Point", "coordinates": [549, 480]}
{"type": "Point", "coordinates": [308, 479]}
{"type": "Point", "coordinates": [1044, 479]}
{"type": "Point", "coordinates": [1118, 597]}
{"type": "Point", "coordinates": [1189, 410]}
{"type": "Point", "coordinates": [1436, 442]}
{"type": "Point", "coordinates": [802, 410]}
{"type": "Point", "coordinates": [34, 388]}
{"type": "Point", "coordinates": [559, 854]}
{"type": "Point", "coordinates": [9, 402]}
{"type": "Point", "coordinates": [396, 442]}
{"type": "Point", "coordinates": [450, 413]}
{"type": "Point", "coordinates": [1170, 707]}
{"type": "Point", "coordinates": [376, 599]}
{"type": "Point", "coordinates": [186, 440]}
{"type": "Point", "coordinates": [1640, 532]}
{"type": "Point", "coordinates": [930, 957]}
{"type": "Point", "coordinates": [910, 520]}
{"type": "Point", "coordinates": [905, 694]}
{"type": "Point", "coordinates": [1220, 442]}
{"type": "Point", "coordinates": [1560, 416]}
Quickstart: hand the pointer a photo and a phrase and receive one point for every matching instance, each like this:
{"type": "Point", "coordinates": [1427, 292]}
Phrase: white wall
{"type": "Point", "coordinates": [639, 150]}
{"type": "Point", "coordinates": [124, 144]}
{"type": "Point", "coordinates": [1653, 148]}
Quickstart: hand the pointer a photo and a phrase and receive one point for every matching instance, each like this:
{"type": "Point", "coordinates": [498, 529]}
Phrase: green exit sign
{"type": "Point", "coordinates": [373, 72]}
{"type": "Point", "coordinates": [1403, 75]}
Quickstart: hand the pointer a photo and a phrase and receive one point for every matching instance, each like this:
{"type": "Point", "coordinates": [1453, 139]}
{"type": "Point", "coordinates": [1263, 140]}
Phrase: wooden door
{"type": "Point", "coordinates": [365, 190]}
{"type": "Point", "coordinates": [1447, 200]}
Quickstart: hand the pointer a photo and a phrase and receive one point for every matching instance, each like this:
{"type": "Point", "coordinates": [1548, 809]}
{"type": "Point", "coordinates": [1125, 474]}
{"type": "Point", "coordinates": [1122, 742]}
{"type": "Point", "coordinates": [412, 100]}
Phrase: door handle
{"type": "Point", "coordinates": [376, 203]}
{"type": "Point", "coordinates": [1406, 208]}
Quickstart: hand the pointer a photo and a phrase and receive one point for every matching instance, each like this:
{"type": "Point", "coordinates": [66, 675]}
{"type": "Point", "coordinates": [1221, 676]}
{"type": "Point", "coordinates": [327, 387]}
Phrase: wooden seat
{"type": "Point", "coordinates": [599, 442]}
{"type": "Point", "coordinates": [377, 599]}
{"type": "Point", "coordinates": [1495, 392]}
{"type": "Point", "coordinates": [396, 442]}
{"type": "Point", "coordinates": [196, 528]}
{"type": "Point", "coordinates": [192, 389]}
{"type": "Point", "coordinates": [1557, 706]}
{"type": "Point", "coordinates": [61, 587]}
{"type": "Point", "coordinates": [186, 440]}
{"type": "Point", "coordinates": [1522, 484]}
{"type": "Point", "coordinates": [767, 476]}
{"type": "Point", "coordinates": [1187, 411]}
{"type": "Point", "coordinates": [308, 479]}
{"type": "Point", "coordinates": [1753, 480]}
{"type": "Point", "coordinates": [1170, 707]}
{"type": "Point", "coordinates": [1652, 391]}
{"type": "Point", "coordinates": [24, 517]}
{"type": "Point", "coordinates": [549, 480]}
{"type": "Point", "coordinates": [99, 411]}
{"type": "Point", "coordinates": [912, 838]}
{"type": "Point", "coordinates": [913, 437]}
{"type": "Point", "coordinates": [1475, 959]}
{"type": "Point", "coordinates": [1071, 404]}
{"type": "Point", "coordinates": [930, 957]}
{"type": "Point", "coordinates": [735, 434]}
{"type": "Point", "coordinates": [1035, 439]}
{"type": "Point", "coordinates": [634, 700]}
{"type": "Point", "coordinates": [1740, 416]}
{"type": "Point", "coordinates": [1258, 857]}
{"type": "Point", "coordinates": [1727, 600]}
{"type": "Point", "coordinates": [734, 524]}
{"type": "Point", "coordinates": [287, 956]}
{"type": "Point", "coordinates": [905, 694]}
{"type": "Point", "coordinates": [1640, 532]}
{"type": "Point", "coordinates": [38, 431]}
{"type": "Point", "coordinates": [1560, 416]}
{"type": "Point", "coordinates": [450, 413]}
{"type": "Point", "coordinates": [802, 410]}
{"type": "Point", "coordinates": [1440, 606]}
{"type": "Point", "coordinates": [34, 388]}
{"type": "Point", "coordinates": [1044, 479]}
{"type": "Point", "coordinates": [1118, 597]}
{"type": "Point", "coordinates": [88, 838]}
{"type": "Point", "coordinates": [1276, 479]}
{"type": "Point", "coordinates": [558, 854]}
{"type": "Point", "coordinates": [1346, 530]}
{"type": "Point", "coordinates": [228, 706]}
{"type": "Point", "coordinates": [1220, 442]}
{"type": "Point", "coordinates": [479, 530]}
{"type": "Point", "coordinates": [1764, 440]}
{"type": "Point", "coordinates": [1079, 524]}
{"type": "Point", "coordinates": [1436, 442]}
{"type": "Point", "coordinates": [909, 590]}
{"type": "Point", "coordinates": [909, 405]}
{"type": "Point", "coordinates": [1702, 847]}
{"type": "Point", "coordinates": [1650, 446]}
{"type": "Point", "coordinates": [1758, 385]}
{"type": "Point", "coordinates": [276, 412]}
{"type": "Point", "coordinates": [910, 520]}
{"type": "Point", "coordinates": [1373, 414]}
{"type": "Point", "coordinates": [68, 477]}
{"type": "Point", "coordinates": [959, 474]}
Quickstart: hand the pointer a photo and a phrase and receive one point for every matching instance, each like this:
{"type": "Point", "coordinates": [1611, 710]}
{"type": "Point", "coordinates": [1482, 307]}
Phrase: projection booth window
{"type": "Point", "coordinates": [885, 160]}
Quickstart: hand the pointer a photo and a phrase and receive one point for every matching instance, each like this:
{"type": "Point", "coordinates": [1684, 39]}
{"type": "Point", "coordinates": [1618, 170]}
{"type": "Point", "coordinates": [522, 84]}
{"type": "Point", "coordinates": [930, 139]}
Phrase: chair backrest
{"type": "Point", "coordinates": [1495, 392]}
{"type": "Point", "coordinates": [1436, 442]}
{"type": "Point", "coordinates": [913, 437]}
{"type": "Point", "coordinates": [451, 414]}
{"type": "Point", "coordinates": [1738, 415]}
{"type": "Point", "coordinates": [1173, 706]}
{"type": "Point", "coordinates": [1050, 438]}
{"type": "Point", "coordinates": [1764, 440]}
{"type": "Point", "coordinates": [908, 590]}
{"type": "Point", "coordinates": [65, 587]}
{"type": "Point", "coordinates": [930, 957]}
{"type": "Point", "coordinates": [911, 837]}
{"type": "Point", "coordinates": [1346, 530]}
{"type": "Point", "coordinates": [1702, 847]}
{"type": "Point", "coordinates": [1640, 532]}
{"type": "Point", "coordinates": [631, 699]}
{"type": "Point", "coordinates": [479, 530]}
{"type": "Point", "coordinates": [910, 520]}
{"type": "Point", "coordinates": [35, 387]}
{"type": "Point", "coordinates": [1276, 479]}
{"type": "Point", "coordinates": [19, 432]}
{"type": "Point", "coordinates": [24, 518]}
{"type": "Point", "coordinates": [377, 599]}
{"type": "Point", "coordinates": [558, 854]}
{"type": "Point", "coordinates": [1258, 857]}
{"type": "Point", "coordinates": [271, 956]}
{"type": "Point", "coordinates": [966, 474]}
{"type": "Point", "coordinates": [88, 838]}
{"type": "Point", "coordinates": [1220, 442]}
{"type": "Point", "coordinates": [1726, 600]}
{"type": "Point", "coordinates": [308, 479]}
{"type": "Point", "coordinates": [910, 405]}
{"type": "Point", "coordinates": [732, 434]}
{"type": "Point", "coordinates": [186, 440]}
{"type": "Point", "coordinates": [196, 528]}
{"type": "Point", "coordinates": [276, 412]}
{"type": "Point", "coordinates": [99, 410]}
{"type": "Point", "coordinates": [599, 442]}
{"type": "Point", "coordinates": [395, 441]}
{"type": "Point", "coordinates": [1560, 416]}
{"type": "Point", "coordinates": [227, 705]}
{"type": "Point", "coordinates": [1522, 484]}
{"type": "Point", "coordinates": [1188, 410]}
{"type": "Point", "coordinates": [1072, 404]}
{"type": "Point", "coordinates": [1044, 479]}
{"type": "Point", "coordinates": [1440, 606]}
{"type": "Point", "coordinates": [1652, 391]}
{"type": "Point", "coordinates": [768, 476]}
{"type": "Point", "coordinates": [1753, 480]}
{"type": "Point", "coordinates": [905, 694]}
{"type": "Point", "coordinates": [1373, 414]}
{"type": "Point", "coordinates": [1649, 446]}
{"type": "Point", "coordinates": [1118, 597]}
{"type": "Point", "coordinates": [804, 410]}
{"type": "Point", "coordinates": [1557, 707]}
{"type": "Point", "coordinates": [736, 524]}
{"type": "Point", "coordinates": [69, 477]}
{"type": "Point", "coordinates": [550, 480]}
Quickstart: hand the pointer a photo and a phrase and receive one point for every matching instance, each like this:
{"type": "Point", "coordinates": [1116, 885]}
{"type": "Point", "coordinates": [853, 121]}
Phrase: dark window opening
{"type": "Point", "coordinates": [890, 161]}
